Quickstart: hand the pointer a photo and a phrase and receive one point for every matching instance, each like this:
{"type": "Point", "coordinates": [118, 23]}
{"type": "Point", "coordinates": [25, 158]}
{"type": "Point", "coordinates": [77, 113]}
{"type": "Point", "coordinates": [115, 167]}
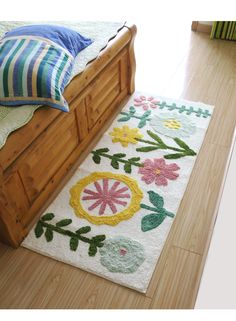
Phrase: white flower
{"type": "Point", "coordinates": [173, 125]}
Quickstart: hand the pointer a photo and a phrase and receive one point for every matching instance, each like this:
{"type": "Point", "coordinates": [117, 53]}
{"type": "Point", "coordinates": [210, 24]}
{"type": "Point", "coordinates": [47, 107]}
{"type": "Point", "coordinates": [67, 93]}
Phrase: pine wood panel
{"type": "Point", "coordinates": [20, 201]}
{"type": "Point", "coordinates": [10, 227]}
{"type": "Point", "coordinates": [37, 174]}
{"type": "Point", "coordinates": [43, 159]}
{"type": "Point", "coordinates": [42, 119]}
{"type": "Point", "coordinates": [82, 119]}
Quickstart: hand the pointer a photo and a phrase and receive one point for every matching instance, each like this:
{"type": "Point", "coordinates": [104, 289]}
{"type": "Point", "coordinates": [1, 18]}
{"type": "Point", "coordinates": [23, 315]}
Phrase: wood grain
{"type": "Point", "coordinates": [32, 171]}
{"type": "Point", "coordinates": [178, 280]}
{"type": "Point", "coordinates": [30, 280]}
{"type": "Point", "coordinates": [197, 208]}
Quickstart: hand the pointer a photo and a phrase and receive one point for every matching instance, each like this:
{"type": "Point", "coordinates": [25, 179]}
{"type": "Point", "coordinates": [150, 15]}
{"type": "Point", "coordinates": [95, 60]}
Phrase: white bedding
{"type": "Point", "coordinates": [12, 118]}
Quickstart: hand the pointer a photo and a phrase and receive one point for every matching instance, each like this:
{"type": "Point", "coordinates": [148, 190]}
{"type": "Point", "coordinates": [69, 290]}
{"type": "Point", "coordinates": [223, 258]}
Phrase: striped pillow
{"type": "Point", "coordinates": [33, 71]}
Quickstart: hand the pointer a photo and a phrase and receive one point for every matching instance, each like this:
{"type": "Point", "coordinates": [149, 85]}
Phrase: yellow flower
{"type": "Point", "coordinates": [125, 135]}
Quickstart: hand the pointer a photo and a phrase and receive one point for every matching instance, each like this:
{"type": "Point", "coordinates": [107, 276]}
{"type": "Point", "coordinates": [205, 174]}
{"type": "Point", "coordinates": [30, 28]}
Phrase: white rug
{"type": "Point", "coordinates": [113, 217]}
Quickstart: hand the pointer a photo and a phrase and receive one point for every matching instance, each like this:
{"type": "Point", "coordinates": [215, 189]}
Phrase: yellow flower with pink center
{"type": "Point", "coordinates": [125, 135]}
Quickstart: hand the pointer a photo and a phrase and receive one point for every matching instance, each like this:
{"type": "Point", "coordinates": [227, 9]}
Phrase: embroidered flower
{"type": "Point", "coordinates": [125, 135]}
{"type": "Point", "coordinates": [173, 125]}
{"type": "Point", "coordinates": [146, 102]}
{"type": "Point", "coordinates": [158, 171]}
{"type": "Point", "coordinates": [122, 254]}
{"type": "Point", "coordinates": [106, 198]}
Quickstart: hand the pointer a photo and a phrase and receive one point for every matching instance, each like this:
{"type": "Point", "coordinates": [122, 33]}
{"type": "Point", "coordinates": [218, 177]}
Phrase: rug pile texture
{"type": "Point", "coordinates": [113, 217]}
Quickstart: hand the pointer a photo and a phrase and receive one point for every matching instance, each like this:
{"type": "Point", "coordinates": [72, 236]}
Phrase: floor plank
{"type": "Point", "coordinates": [22, 278]}
{"type": "Point", "coordinates": [200, 70]}
{"type": "Point", "coordinates": [174, 290]}
{"type": "Point", "coordinates": [64, 282]}
{"type": "Point", "coordinates": [197, 208]}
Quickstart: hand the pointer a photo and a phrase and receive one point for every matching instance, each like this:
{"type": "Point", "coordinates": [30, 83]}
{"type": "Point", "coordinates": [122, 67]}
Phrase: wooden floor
{"type": "Point", "coordinates": [203, 71]}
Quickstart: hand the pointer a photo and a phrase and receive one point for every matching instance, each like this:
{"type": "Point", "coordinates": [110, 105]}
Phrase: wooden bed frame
{"type": "Point", "coordinates": [38, 158]}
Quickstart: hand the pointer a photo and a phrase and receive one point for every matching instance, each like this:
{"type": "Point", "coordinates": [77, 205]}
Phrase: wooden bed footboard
{"type": "Point", "coordinates": [40, 157]}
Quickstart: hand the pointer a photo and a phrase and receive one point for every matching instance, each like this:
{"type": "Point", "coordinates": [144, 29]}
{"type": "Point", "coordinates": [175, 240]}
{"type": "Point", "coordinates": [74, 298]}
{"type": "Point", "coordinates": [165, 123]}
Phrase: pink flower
{"type": "Point", "coordinates": [145, 102]}
{"type": "Point", "coordinates": [157, 170]}
{"type": "Point", "coordinates": [106, 196]}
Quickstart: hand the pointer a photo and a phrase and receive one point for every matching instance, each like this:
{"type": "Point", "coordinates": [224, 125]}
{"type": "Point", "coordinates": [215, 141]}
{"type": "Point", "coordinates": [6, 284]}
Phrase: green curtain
{"type": "Point", "coordinates": [223, 30]}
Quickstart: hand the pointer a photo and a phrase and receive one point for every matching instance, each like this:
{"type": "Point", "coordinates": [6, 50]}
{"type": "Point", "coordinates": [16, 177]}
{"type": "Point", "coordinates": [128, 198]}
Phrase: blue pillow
{"type": "Point", "coordinates": [65, 37]}
{"type": "Point", "coordinates": [34, 70]}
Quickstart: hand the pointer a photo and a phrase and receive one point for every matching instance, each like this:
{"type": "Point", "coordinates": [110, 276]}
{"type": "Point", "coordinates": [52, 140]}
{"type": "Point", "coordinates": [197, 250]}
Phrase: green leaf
{"type": "Point", "coordinates": [74, 242]}
{"type": "Point", "coordinates": [38, 231]}
{"type": "Point", "coordinates": [174, 156]}
{"type": "Point", "coordinates": [102, 150]}
{"type": "Point", "coordinates": [156, 200]}
{"type": "Point", "coordinates": [99, 238]}
{"type": "Point", "coordinates": [162, 104]}
{"type": "Point", "coordinates": [191, 153]}
{"type": "Point", "coordinates": [172, 107]}
{"type": "Point", "coordinates": [146, 149]}
{"type": "Point", "coordinates": [134, 159]}
{"type": "Point", "coordinates": [99, 244]}
{"type": "Point", "coordinates": [114, 163]}
{"type": "Point", "coordinates": [147, 113]}
{"type": "Point", "coordinates": [119, 155]}
{"type": "Point", "coordinates": [127, 168]}
{"type": "Point", "coordinates": [64, 222]}
{"type": "Point", "coordinates": [142, 123]}
{"type": "Point", "coordinates": [151, 221]}
{"type": "Point", "coordinates": [83, 230]}
{"type": "Point", "coordinates": [188, 112]}
{"type": "Point", "coordinates": [132, 110]}
{"type": "Point", "coordinates": [181, 143]}
{"type": "Point", "coordinates": [125, 118]}
{"type": "Point", "coordinates": [49, 234]}
{"type": "Point", "coordinates": [96, 158]}
{"type": "Point", "coordinates": [155, 137]}
{"type": "Point", "coordinates": [47, 217]}
{"type": "Point", "coordinates": [92, 249]}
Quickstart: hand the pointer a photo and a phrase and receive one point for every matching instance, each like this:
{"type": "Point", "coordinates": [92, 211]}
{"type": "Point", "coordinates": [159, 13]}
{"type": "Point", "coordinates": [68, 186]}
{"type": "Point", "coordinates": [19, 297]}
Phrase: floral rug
{"type": "Point", "coordinates": [112, 218]}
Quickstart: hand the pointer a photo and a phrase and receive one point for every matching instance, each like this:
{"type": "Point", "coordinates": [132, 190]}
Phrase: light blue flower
{"type": "Point", "coordinates": [122, 254]}
{"type": "Point", "coordinates": [173, 125]}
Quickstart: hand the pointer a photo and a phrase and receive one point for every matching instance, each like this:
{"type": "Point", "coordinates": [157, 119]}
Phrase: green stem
{"type": "Point", "coordinates": [149, 207]}
{"type": "Point", "coordinates": [160, 146]}
{"type": "Point", "coordinates": [66, 232]}
{"type": "Point", "coordinates": [184, 151]}
{"type": "Point", "coordinates": [111, 157]}
{"type": "Point", "coordinates": [140, 117]}
{"type": "Point", "coordinates": [154, 209]}
{"type": "Point", "coordinates": [163, 146]}
{"type": "Point", "coordinates": [199, 112]}
{"type": "Point", "coordinates": [131, 115]}
{"type": "Point", "coordinates": [148, 142]}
